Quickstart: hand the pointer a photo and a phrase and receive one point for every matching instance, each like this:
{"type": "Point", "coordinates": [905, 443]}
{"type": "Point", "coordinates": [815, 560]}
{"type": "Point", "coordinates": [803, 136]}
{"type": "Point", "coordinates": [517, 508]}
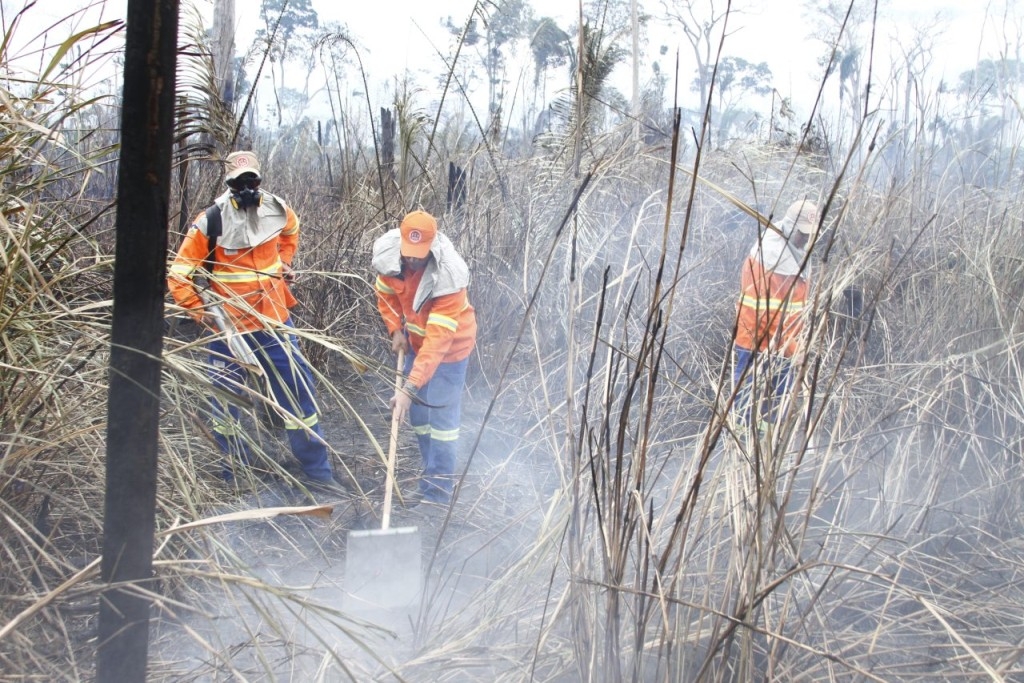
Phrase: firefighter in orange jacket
{"type": "Point", "coordinates": [249, 268]}
{"type": "Point", "coordinates": [769, 324]}
{"type": "Point", "coordinates": [421, 288]}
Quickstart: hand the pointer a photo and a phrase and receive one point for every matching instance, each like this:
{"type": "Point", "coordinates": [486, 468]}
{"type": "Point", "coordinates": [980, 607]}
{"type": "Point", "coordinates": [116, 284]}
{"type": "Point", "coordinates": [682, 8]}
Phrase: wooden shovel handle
{"type": "Point", "coordinates": [389, 481]}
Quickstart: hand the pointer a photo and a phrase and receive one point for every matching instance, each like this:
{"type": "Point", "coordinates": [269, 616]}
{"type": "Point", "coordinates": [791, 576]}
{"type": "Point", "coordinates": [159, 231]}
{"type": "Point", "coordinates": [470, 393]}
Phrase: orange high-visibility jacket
{"type": "Point", "coordinates": [442, 331]}
{"type": "Point", "coordinates": [770, 309]}
{"type": "Point", "coordinates": [248, 268]}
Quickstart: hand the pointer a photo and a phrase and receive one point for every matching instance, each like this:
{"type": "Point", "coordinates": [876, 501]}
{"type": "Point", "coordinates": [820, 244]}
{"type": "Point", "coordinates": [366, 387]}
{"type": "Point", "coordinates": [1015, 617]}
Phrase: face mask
{"type": "Point", "coordinates": [243, 199]}
{"type": "Point", "coordinates": [245, 192]}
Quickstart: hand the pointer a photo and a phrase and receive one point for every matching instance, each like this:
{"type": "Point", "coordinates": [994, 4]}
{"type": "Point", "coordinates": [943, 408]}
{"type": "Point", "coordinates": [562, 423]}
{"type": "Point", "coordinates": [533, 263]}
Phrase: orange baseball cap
{"type": "Point", "coordinates": [418, 230]}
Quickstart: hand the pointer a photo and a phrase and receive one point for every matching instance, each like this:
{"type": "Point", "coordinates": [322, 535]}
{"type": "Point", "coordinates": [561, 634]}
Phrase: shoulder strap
{"type": "Point", "coordinates": [213, 231]}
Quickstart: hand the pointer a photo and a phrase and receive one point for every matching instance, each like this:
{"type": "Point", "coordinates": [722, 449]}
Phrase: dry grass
{"type": "Point", "coordinates": [613, 523]}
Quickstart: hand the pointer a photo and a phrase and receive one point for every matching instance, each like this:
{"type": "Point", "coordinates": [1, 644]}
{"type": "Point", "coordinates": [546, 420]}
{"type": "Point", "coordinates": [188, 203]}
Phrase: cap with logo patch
{"type": "Point", "coordinates": [418, 230]}
{"type": "Point", "coordinates": [241, 162]}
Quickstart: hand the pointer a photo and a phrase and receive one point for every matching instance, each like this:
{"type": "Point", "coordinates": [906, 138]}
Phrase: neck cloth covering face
{"type": "Point", "coordinates": [775, 252]}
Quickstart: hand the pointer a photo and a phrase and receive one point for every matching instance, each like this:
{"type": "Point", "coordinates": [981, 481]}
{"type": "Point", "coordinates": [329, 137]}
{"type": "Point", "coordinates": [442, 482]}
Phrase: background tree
{"type": "Point", "coordinates": [550, 46]}
{"type": "Point", "coordinates": [655, 118]}
{"type": "Point", "coordinates": [505, 21]}
{"type": "Point", "coordinates": [702, 23]}
{"type": "Point", "coordinates": [992, 114]}
{"type": "Point", "coordinates": [840, 26]}
{"type": "Point", "coordinates": [593, 69]}
{"type": "Point", "coordinates": [992, 82]}
{"type": "Point", "coordinates": [634, 27]}
{"type": "Point", "coordinates": [914, 104]}
{"type": "Point", "coordinates": [223, 43]}
{"type": "Point", "coordinates": [738, 80]}
{"type": "Point", "coordinates": [288, 33]}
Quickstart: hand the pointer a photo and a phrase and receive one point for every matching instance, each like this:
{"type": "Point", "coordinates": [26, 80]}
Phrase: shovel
{"type": "Point", "coordinates": [382, 566]}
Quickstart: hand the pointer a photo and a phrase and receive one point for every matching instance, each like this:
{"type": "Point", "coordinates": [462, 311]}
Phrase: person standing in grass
{"type": "Point", "coordinates": [244, 245]}
{"type": "Point", "coordinates": [421, 285]}
{"type": "Point", "coordinates": [769, 326]}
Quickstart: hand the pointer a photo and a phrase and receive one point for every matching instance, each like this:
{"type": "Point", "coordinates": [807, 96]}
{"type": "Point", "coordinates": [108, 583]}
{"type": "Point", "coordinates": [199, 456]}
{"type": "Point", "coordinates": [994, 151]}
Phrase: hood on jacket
{"type": "Point", "coordinates": [775, 252]}
{"type": "Point", "coordinates": [242, 229]}
{"type": "Point", "coordinates": [446, 272]}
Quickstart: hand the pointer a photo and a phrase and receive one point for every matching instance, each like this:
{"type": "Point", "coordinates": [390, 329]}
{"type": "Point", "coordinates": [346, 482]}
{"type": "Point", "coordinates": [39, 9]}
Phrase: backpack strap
{"type": "Point", "coordinates": [214, 228]}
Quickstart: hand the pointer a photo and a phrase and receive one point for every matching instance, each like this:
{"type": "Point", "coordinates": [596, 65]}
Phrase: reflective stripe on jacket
{"type": "Point", "coordinates": [248, 268]}
{"type": "Point", "coordinates": [770, 309]}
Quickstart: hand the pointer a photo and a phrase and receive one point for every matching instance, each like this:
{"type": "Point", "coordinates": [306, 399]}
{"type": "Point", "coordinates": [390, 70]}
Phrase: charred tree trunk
{"type": "Point", "coordinates": [323, 154]}
{"type": "Point", "coordinates": [456, 187]}
{"type": "Point", "coordinates": [140, 257]}
{"type": "Point", "coordinates": [387, 141]}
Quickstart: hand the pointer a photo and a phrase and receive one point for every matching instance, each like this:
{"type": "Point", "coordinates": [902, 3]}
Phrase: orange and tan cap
{"type": "Point", "coordinates": [241, 162]}
{"type": "Point", "coordinates": [803, 216]}
{"type": "Point", "coordinates": [418, 230]}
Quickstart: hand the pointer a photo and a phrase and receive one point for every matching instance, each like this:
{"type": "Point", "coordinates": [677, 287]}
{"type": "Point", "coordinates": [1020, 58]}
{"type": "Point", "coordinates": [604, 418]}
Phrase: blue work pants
{"type": "Point", "coordinates": [435, 419]}
{"type": "Point", "coordinates": [291, 383]}
{"type": "Point", "coordinates": [760, 386]}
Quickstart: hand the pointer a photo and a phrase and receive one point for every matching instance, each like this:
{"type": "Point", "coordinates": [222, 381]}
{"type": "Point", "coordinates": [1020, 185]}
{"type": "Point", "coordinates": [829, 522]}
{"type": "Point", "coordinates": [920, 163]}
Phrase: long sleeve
{"type": "Point", "coordinates": [389, 304]}
{"type": "Point", "coordinates": [288, 242]}
{"type": "Point", "coordinates": [193, 251]}
{"type": "Point", "coordinates": [442, 327]}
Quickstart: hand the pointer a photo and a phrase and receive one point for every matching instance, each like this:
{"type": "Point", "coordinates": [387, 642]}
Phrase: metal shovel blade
{"type": "Point", "coordinates": [382, 566]}
{"type": "Point", "coordinates": [382, 569]}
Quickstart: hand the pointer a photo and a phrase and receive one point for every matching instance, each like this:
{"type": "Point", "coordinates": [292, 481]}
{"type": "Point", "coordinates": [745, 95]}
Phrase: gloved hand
{"type": "Point", "coordinates": [203, 318]}
{"type": "Point", "coordinates": [399, 342]}
{"type": "Point", "coordinates": [400, 404]}
{"type": "Point", "coordinates": [288, 274]}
